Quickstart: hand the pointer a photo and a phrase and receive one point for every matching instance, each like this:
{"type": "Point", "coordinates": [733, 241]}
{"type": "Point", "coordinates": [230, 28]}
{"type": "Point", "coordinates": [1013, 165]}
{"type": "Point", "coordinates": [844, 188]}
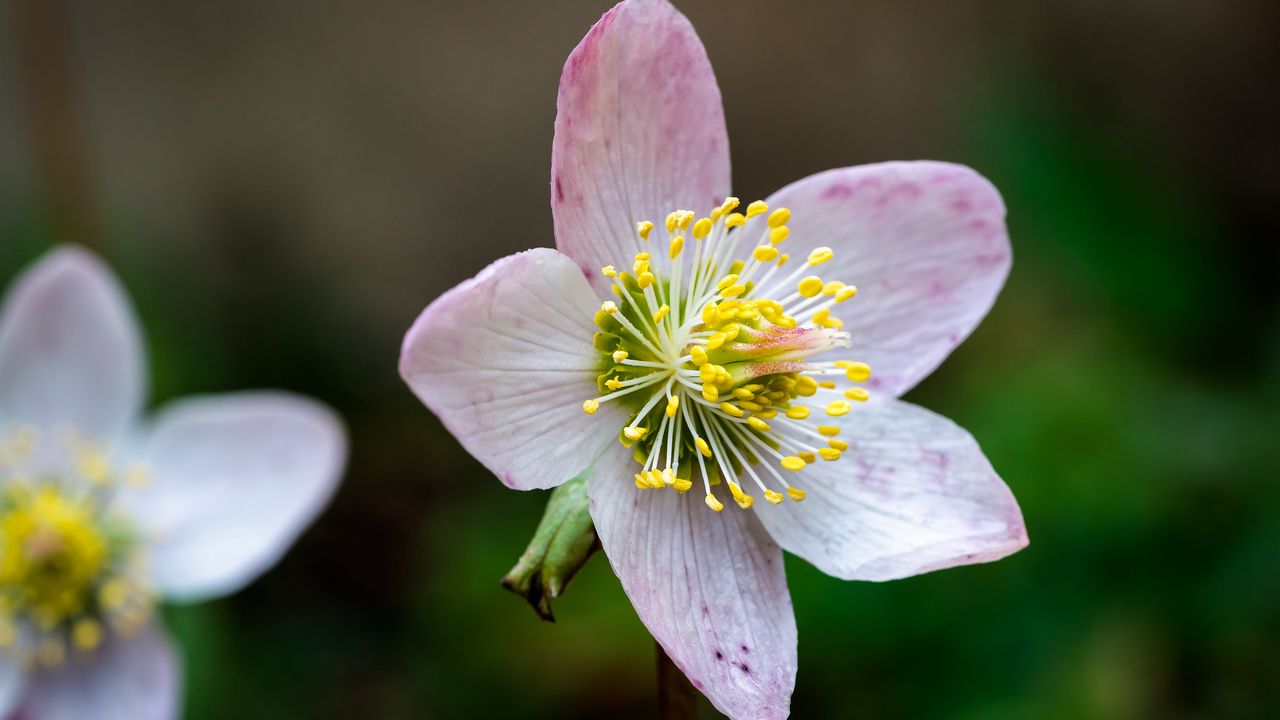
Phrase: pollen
{"type": "Point", "coordinates": [710, 352]}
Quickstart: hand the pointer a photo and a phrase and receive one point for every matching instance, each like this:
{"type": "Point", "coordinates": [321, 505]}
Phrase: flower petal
{"type": "Point", "coordinates": [13, 681]}
{"type": "Point", "coordinates": [135, 678]}
{"type": "Point", "coordinates": [710, 587]}
{"type": "Point", "coordinates": [236, 479]}
{"type": "Point", "coordinates": [639, 132]}
{"type": "Point", "coordinates": [505, 360]}
{"type": "Point", "coordinates": [925, 242]}
{"type": "Point", "coordinates": [70, 349]}
{"type": "Point", "coordinates": [912, 494]}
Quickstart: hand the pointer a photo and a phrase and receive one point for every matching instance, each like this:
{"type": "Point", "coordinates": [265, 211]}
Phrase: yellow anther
{"type": "Point", "coordinates": [779, 217]}
{"type": "Point", "coordinates": [673, 404]}
{"type": "Point", "coordinates": [673, 219]}
{"type": "Point", "coordinates": [698, 355]}
{"type": "Point", "coordinates": [828, 453]}
{"type": "Point", "coordinates": [682, 485]}
{"type": "Point", "coordinates": [806, 386]}
{"type": "Point", "coordinates": [613, 383]}
{"type": "Point", "coordinates": [661, 313]}
{"type": "Point", "coordinates": [820, 255]}
{"type": "Point", "coordinates": [677, 244]}
{"type": "Point", "coordinates": [620, 355]}
{"type": "Point", "coordinates": [807, 456]}
{"type": "Point", "coordinates": [795, 493]}
{"type": "Point", "coordinates": [767, 413]}
{"type": "Point", "coordinates": [710, 393]}
{"type": "Point", "coordinates": [609, 271]}
{"type": "Point", "coordinates": [733, 410]}
{"type": "Point", "coordinates": [86, 634]}
{"type": "Point", "coordinates": [778, 234]}
{"type": "Point", "coordinates": [744, 500]}
{"type": "Point", "coordinates": [831, 287]}
{"type": "Point", "coordinates": [710, 314]}
{"type": "Point", "coordinates": [828, 384]}
{"type": "Point", "coordinates": [726, 281]}
{"type": "Point", "coordinates": [858, 372]}
{"type": "Point", "coordinates": [715, 341]}
{"type": "Point", "coordinates": [731, 331]}
{"type": "Point", "coordinates": [829, 430]}
{"type": "Point", "coordinates": [685, 218]}
{"type": "Point", "coordinates": [758, 424]}
{"type": "Point", "coordinates": [797, 412]}
{"type": "Point", "coordinates": [642, 257]}
{"type": "Point", "coordinates": [729, 204]}
{"type": "Point", "coordinates": [733, 220]}
{"type": "Point", "coordinates": [733, 291]}
{"type": "Point", "coordinates": [838, 408]}
{"type": "Point", "coordinates": [713, 503]}
{"type": "Point", "coordinates": [757, 208]}
{"type": "Point", "coordinates": [845, 293]}
{"type": "Point", "coordinates": [773, 496]}
{"type": "Point", "coordinates": [702, 447]}
{"type": "Point", "coordinates": [750, 406]}
{"type": "Point", "coordinates": [857, 394]}
{"type": "Point", "coordinates": [644, 279]}
{"type": "Point", "coordinates": [810, 286]}
{"type": "Point", "coordinates": [609, 306]}
{"type": "Point", "coordinates": [702, 228]}
{"type": "Point", "coordinates": [793, 463]}
{"type": "Point", "coordinates": [643, 228]}
{"type": "Point", "coordinates": [782, 259]}
{"type": "Point", "coordinates": [743, 393]}
{"type": "Point", "coordinates": [838, 444]}
{"type": "Point", "coordinates": [634, 433]}
{"type": "Point", "coordinates": [590, 406]}
{"type": "Point", "coordinates": [765, 253]}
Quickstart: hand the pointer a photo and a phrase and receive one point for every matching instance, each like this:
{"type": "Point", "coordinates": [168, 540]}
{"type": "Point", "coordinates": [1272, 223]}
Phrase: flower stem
{"type": "Point", "coordinates": [677, 699]}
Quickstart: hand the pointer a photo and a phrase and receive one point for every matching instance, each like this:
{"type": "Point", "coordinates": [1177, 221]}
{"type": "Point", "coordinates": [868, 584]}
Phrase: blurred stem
{"type": "Point", "coordinates": [52, 118]}
{"type": "Point", "coordinates": [677, 700]}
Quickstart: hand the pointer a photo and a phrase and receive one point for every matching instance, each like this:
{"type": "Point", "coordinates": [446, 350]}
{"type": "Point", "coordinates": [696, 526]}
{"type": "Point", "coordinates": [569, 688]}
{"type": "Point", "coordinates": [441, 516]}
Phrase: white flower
{"type": "Point", "coordinates": [102, 514]}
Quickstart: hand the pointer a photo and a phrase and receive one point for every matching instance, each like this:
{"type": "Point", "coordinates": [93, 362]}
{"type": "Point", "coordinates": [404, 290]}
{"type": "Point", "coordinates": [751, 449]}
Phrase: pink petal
{"type": "Point", "coordinates": [135, 678]}
{"type": "Point", "coordinates": [235, 479]}
{"type": "Point", "coordinates": [926, 245]}
{"type": "Point", "coordinates": [505, 361]}
{"type": "Point", "coordinates": [912, 494]}
{"type": "Point", "coordinates": [709, 586]}
{"type": "Point", "coordinates": [640, 132]}
{"type": "Point", "coordinates": [70, 349]}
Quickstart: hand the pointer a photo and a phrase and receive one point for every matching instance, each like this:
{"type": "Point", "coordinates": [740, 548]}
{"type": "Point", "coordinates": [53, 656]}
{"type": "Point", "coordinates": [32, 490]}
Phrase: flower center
{"type": "Point", "coordinates": [715, 357]}
{"type": "Point", "coordinates": [66, 565]}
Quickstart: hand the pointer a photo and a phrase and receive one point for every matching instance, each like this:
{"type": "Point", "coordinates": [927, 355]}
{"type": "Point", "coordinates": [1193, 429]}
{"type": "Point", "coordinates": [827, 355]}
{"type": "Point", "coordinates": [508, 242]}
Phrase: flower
{"type": "Point", "coordinates": [684, 352]}
{"type": "Point", "coordinates": [101, 515]}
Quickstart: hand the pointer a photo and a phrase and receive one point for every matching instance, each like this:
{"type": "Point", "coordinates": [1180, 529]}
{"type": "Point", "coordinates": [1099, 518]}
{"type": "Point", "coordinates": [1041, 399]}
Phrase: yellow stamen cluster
{"type": "Point", "coordinates": [712, 355]}
{"type": "Point", "coordinates": [66, 566]}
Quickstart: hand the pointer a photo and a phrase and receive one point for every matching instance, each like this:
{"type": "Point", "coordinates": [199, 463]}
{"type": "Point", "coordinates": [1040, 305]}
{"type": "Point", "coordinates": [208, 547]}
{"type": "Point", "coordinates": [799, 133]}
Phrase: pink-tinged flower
{"type": "Point", "coordinates": [102, 514]}
{"type": "Point", "coordinates": [717, 348]}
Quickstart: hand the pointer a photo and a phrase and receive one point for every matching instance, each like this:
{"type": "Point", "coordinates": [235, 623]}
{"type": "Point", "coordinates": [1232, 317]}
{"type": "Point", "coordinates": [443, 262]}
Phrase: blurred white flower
{"type": "Point", "coordinates": [103, 514]}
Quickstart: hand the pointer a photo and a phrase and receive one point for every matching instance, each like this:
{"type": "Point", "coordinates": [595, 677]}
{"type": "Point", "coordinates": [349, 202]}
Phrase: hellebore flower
{"type": "Point", "coordinates": [101, 515]}
{"type": "Point", "coordinates": [678, 340]}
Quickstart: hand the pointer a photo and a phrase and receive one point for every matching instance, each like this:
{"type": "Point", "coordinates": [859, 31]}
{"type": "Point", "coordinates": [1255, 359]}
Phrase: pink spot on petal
{"type": "Point", "coordinates": [838, 191]}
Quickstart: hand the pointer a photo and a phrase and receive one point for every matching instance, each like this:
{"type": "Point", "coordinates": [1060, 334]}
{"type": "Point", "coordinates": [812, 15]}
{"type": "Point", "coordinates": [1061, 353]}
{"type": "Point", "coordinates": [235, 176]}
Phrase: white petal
{"type": "Point", "coordinates": [710, 587]}
{"type": "Point", "coordinates": [926, 245]}
{"type": "Point", "coordinates": [70, 349]}
{"type": "Point", "coordinates": [912, 494]}
{"type": "Point", "coordinates": [505, 360]}
{"type": "Point", "coordinates": [134, 678]}
{"type": "Point", "coordinates": [13, 682]}
{"type": "Point", "coordinates": [639, 132]}
{"type": "Point", "coordinates": [235, 479]}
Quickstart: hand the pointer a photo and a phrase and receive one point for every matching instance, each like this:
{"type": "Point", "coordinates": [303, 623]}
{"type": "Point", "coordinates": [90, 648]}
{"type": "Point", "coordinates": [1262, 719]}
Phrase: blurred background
{"type": "Point", "coordinates": [283, 186]}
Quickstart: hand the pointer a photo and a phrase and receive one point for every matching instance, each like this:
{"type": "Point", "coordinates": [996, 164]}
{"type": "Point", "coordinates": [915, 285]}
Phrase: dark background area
{"type": "Point", "coordinates": [283, 186]}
